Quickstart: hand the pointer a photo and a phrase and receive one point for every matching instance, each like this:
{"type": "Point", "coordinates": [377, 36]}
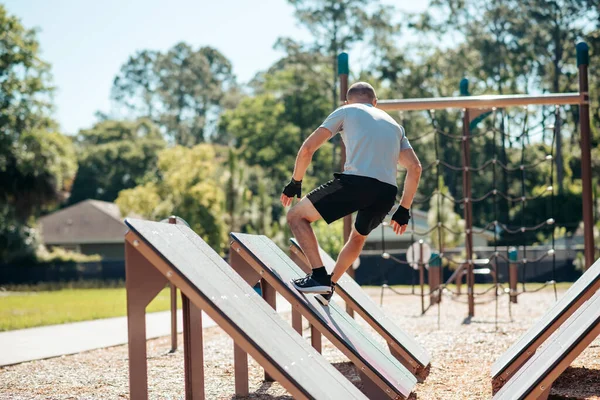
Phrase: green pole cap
{"type": "Point", "coordinates": [464, 87]}
{"type": "Point", "coordinates": [512, 254]}
{"type": "Point", "coordinates": [583, 54]}
{"type": "Point", "coordinates": [343, 67]}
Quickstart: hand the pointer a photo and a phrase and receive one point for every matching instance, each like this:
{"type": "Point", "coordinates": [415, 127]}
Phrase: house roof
{"type": "Point", "coordinates": [89, 221]}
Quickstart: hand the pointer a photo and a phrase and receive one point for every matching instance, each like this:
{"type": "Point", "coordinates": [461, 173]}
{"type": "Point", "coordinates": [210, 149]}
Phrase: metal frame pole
{"type": "Point", "coordinates": [343, 71]}
{"type": "Point", "coordinates": [468, 208]}
{"type": "Point", "coordinates": [474, 102]}
{"type": "Point", "coordinates": [586, 163]}
{"type": "Point", "coordinates": [468, 213]}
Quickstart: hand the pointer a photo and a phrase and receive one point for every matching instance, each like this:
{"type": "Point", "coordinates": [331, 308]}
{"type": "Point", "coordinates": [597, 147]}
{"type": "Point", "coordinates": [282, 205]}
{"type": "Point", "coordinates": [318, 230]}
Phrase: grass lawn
{"type": "Point", "coordinates": [20, 310]}
{"type": "Point", "coordinates": [29, 309]}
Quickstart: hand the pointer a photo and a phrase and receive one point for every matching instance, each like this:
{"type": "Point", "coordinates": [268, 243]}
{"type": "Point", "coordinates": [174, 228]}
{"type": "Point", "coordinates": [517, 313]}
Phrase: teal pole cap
{"type": "Point", "coordinates": [583, 54]}
{"type": "Point", "coordinates": [512, 254]}
{"type": "Point", "coordinates": [343, 67]}
{"type": "Point", "coordinates": [464, 87]}
{"type": "Point", "coordinates": [435, 260]}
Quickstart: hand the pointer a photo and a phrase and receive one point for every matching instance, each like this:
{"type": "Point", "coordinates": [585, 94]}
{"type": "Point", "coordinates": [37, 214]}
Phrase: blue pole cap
{"type": "Point", "coordinates": [464, 87]}
{"type": "Point", "coordinates": [583, 54]}
{"type": "Point", "coordinates": [343, 67]}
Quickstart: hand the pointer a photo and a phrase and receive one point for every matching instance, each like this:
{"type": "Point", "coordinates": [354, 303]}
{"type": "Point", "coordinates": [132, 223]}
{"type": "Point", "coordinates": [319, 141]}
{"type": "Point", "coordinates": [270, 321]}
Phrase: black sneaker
{"type": "Point", "coordinates": [308, 284]}
{"type": "Point", "coordinates": [325, 298]}
{"type": "Point", "coordinates": [300, 280]}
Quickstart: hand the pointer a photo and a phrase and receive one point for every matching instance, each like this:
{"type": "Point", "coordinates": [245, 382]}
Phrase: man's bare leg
{"type": "Point", "coordinates": [299, 219]}
{"type": "Point", "coordinates": [348, 255]}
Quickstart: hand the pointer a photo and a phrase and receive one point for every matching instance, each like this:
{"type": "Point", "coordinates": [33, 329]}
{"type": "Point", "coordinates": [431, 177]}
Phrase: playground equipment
{"type": "Point", "coordinates": [572, 301]}
{"type": "Point", "coordinates": [473, 109]}
{"type": "Point", "coordinates": [158, 253]}
{"type": "Point", "coordinates": [410, 353]}
{"type": "Point", "coordinates": [383, 376]}
{"type": "Point", "coordinates": [535, 378]}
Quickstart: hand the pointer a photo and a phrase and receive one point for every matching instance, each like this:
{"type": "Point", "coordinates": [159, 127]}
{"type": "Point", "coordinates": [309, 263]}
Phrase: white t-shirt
{"type": "Point", "coordinates": [373, 140]}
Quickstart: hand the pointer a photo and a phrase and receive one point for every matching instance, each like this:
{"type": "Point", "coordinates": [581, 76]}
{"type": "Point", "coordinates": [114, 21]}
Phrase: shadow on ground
{"type": "Point", "coordinates": [346, 368]}
{"type": "Point", "coordinates": [261, 392]}
{"type": "Point", "coordinates": [588, 384]}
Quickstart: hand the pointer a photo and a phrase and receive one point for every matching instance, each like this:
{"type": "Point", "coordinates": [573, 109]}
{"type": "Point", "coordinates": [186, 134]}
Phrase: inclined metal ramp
{"type": "Point", "coordinates": [382, 374]}
{"type": "Point", "coordinates": [534, 379]}
{"type": "Point", "coordinates": [406, 349]}
{"type": "Point", "coordinates": [510, 362]}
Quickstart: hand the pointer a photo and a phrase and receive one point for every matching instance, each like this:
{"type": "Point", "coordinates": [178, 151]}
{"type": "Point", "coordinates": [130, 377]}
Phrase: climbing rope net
{"type": "Point", "coordinates": [515, 183]}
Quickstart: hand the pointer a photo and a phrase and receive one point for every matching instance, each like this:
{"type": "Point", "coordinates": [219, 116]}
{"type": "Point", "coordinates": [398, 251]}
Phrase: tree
{"type": "Point", "coordinates": [557, 26]}
{"type": "Point", "coordinates": [524, 45]}
{"type": "Point", "coordinates": [186, 185]}
{"type": "Point", "coordinates": [237, 193]}
{"type": "Point", "coordinates": [115, 155]}
{"type": "Point", "coordinates": [338, 24]}
{"type": "Point", "coordinates": [37, 164]}
{"type": "Point", "coordinates": [181, 89]}
{"type": "Point", "coordinates": [136, 86]}
{"type": "Point", "coordinates": [262, 135]}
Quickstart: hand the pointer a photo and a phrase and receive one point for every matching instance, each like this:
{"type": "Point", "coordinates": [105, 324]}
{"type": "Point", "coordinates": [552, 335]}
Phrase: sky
{"type": "Point", "coordinates": [87, 41]}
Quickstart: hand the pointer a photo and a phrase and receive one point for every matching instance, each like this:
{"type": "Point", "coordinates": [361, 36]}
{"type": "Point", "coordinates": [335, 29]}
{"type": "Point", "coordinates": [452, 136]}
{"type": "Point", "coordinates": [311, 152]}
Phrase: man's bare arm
{"type": "Point", "coordinates": [308, 148]}
{"type": "Point", "coordinates": [304, 157]}
{"type": "Point", "coordinates": [409, 160]}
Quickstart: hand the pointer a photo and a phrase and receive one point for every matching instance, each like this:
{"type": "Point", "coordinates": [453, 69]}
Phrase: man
{"type": "Point", "coordinates": [375, 144]}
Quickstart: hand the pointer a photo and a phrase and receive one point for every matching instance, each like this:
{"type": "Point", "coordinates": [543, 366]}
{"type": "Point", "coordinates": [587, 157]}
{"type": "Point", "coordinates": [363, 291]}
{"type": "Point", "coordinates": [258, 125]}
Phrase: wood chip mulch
{"type": "Point", "coordinates": [462, 351]}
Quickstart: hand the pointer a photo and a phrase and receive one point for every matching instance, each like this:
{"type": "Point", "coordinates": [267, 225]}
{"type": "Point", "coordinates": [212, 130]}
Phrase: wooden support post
{"type": "Point", "coordinates": [434, 280]}
{"type": "Point", "coordinates": [270, 296]}
{"type": "Point", "coordinates": [143, 283]}
{"type": "Point", "coordinates": [513, 274]}
{"type": "Point", "coordinates": [586, 158]}
{"type": "Point", "coordinates": [193, 350]}
{"type": "Point", "coordinates": [467, 194]}
{"type": "Point", "coordinates": [422, 276]}
{"type": "Point", "coordinates": [240, 362]}
{"type": "Point", "coordinates": [297, 321]}
{"type": "Point", "coordinates": [315, 338]}
{"type": "Point", "coordinates": [173, 318]}
{"type": "Point", "coordinates": [343, 71]}
{"type": "Point", "coordinates": [513, 279]}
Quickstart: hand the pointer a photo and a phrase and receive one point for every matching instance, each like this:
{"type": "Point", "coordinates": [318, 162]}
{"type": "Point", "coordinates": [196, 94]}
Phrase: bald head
{"type": "Point", "coordinates": [361, 92]}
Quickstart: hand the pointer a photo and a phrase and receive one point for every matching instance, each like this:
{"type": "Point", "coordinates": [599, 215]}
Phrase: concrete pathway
{"type": "Point", "coordinates": [57, 340]}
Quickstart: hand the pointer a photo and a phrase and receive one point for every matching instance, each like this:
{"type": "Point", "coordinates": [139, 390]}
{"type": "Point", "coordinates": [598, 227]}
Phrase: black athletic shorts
{"type": "Point", "coordinates": [346, 194]}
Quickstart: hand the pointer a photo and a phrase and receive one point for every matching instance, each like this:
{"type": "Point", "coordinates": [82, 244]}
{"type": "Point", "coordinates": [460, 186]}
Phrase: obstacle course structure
{"type": "Point", "coordinates": [473, 108]}
{"type": "Point", "coordinates": [570, 303]}
{"type": "Point", "coordinates": [410, 353]}
{"type": "Point", "coordinates": [382, 375]}
{"type": "Point", "coordinates": [534, 379]}
{"type": "Point", "coordinates": [158, 253]}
